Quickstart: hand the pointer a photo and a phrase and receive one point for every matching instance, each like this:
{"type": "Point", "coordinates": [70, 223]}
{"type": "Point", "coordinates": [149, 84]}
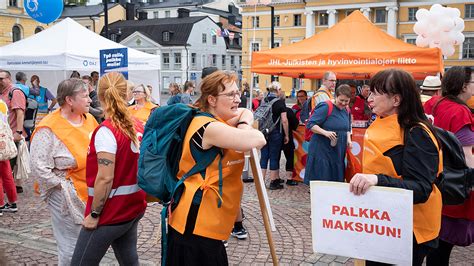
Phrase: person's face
{"type": "Point", "coordinates": [35, 82]}
{"type": "Point", "coordinates": [365, 92]}
{"type": "Point", "coordinates": [95, 77]}
{"type": "Point", "coordinates": [383, 104]}
{"type": "Point", "coordinates": [226, 103]}
{"type": "Point", "coordinates": [80, 102]}
{"type": "Point", "coordinates": [330, 82]}
{"type": "Point", "coordinates": [301, 98]}
{"type": "Point", "coordinates": [468, 90]}
{"type": "Point", "coordinates": [89, 85]}
{"type": "Point", "coordinates": [3, 80]}
{"type": "Point", "coordinates": [139, 93]}
{"type": "Point", "coordinates": [281, 94]}
{"type": "Point", "coordinates": [353, 93]}
{"type": "Point", "coordinates": [342, 101]}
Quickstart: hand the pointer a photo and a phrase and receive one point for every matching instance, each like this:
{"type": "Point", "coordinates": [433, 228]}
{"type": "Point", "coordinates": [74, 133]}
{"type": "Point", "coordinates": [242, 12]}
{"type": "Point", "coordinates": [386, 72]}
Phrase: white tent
{"type": "Point", "coordinates": [54, 53]}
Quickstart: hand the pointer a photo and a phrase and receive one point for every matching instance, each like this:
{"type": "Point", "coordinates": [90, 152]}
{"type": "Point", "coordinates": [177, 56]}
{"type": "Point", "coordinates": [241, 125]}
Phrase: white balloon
{"type": "Point", "coordinates": [453, 12]}
{"type": "Point", "coordinates": [421, 27]}
{"type": "Point", "coordinates": [447, 50]}
{"type": "Point", "coordinates": [422, 14]}
{"type": "Point", "coordinates": [437, 8]}
{"type": "Point", "coordinates": [458, 38]}
{"type": "Point", "coordinates": [446, 24]}
{"type": "Point", "coordinates": [446, 38]}
{"type": "Point", "coordinates": [421, 41]}
{"type": "Point", "coordinates": [459, 24]}
{"type": "Point", "coordinates": [435, 43]}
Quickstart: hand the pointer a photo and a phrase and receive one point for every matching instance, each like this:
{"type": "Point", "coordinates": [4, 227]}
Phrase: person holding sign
{"type": "Point", "coordinates": [401, 150]}
{"type": "Point", "coordinates": [327, 148]}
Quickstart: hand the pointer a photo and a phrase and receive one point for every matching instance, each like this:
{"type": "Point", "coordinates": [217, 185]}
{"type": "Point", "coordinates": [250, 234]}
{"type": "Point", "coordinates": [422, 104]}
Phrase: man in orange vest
{"type": "Point", "coordinates": [324, 93]}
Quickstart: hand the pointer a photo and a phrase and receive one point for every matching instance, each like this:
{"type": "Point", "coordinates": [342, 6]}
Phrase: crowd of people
{"type": "Point", "coordinates": [84, 155]}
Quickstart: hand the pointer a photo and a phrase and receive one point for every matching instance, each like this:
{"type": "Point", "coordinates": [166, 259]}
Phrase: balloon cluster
{"type": "Point", "coordinates": [439, 27]}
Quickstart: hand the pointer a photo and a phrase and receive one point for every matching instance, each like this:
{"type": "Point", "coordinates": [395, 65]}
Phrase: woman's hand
{"type": "Point", "coordinates": [349, 144]}
{"type": "Point", "coordinates": [90, 223]}
{"type": "Point", "coordinates": [330, 135]}
{"type": "Point", "coordinates": [360, 183]}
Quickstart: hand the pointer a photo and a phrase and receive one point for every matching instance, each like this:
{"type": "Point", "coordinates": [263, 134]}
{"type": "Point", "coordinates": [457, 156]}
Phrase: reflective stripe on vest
{"type": "Point", "coordinates": [120, 191]}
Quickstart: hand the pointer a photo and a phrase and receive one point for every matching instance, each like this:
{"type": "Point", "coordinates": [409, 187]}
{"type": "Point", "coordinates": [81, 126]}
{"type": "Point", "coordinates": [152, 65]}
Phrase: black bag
{"type": "Point", "coordinates": [292, 120]}
{"type": "Point", "coordinates": [455, 182]}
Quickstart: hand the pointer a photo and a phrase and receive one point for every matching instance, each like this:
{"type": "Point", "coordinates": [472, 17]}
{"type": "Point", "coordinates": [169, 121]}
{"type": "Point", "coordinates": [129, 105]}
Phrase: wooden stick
{"type": "Point", "coordinates": [259, 181]}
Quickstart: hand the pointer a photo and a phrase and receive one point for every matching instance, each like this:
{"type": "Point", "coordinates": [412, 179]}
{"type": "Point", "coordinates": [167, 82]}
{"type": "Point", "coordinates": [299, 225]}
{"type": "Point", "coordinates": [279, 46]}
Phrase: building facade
{"type": "Point", "coordinates": [185, 45]}
{"type": "Point", "coordinates": [92, 16]}
{"type": "Point", "coordinates": [296, 20]}
{"type": "Point", "coordinates": [15, 24]}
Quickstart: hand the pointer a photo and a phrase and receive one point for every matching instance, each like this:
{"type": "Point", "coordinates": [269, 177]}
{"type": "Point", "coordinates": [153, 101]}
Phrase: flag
{"type": "Point", "coordinates": [219, 33]}
{"type": "Point", "coordinates": [213, 32]}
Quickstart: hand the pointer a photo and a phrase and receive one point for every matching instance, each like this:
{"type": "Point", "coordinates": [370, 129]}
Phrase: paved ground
{"type": "Point", "coordinates": [26, 237]}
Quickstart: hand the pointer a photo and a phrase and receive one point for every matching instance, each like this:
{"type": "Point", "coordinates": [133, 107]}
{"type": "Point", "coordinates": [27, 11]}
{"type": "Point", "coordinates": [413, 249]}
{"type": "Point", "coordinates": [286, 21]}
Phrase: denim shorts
{"type": "Point", "coordinates": [272, 151]}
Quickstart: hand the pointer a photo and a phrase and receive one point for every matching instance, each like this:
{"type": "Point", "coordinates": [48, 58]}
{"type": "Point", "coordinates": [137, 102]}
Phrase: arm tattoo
{"type": "Point", "coordinates": [103, 161]}
{"type": "Point", "coordinates": [102, 201]}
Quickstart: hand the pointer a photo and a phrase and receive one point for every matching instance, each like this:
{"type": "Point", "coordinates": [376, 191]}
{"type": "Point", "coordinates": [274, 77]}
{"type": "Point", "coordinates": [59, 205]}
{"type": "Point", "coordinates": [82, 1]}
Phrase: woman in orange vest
{"type": "Point", "coordinates": [451, 113]}
{"type": "Point", "coordinates": [143, 105]}
{"type": "Point", "coordinates": [207, 209]}
{"type": "Point", "coordinates": [115, 203]}
{"type": "Point", "coordinates": [401, 150]}
{"type": "Point", "coordinates": [58, 162]}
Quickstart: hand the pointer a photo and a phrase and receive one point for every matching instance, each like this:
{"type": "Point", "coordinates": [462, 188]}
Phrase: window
{"type": "Point", "coordinates": [177, 60]}
{"type": "Point", "coordinates": [214, 60]}
{"type": "Point", "coordinates": [255, 22]}
{"type": "Point", "coordinates": [297, 20]}
{"type": "Point", "coordinates": [468, 48]}
{"type": "Point", "coordinates": [348, 12]}
{"type": "Point", "coordinates": [469, 11]}
{"type": "Point", "coordinates": [411, 41]}
{"type": "Point", "coordinates": [323, 19]}
{"type": "Point", "coordinates": [255, 80]}
{"type": "Point", "coordinates": [156, 14]}
{"type": "Point", "coordinates": [240, 60]}
{"type": "Point", "coordinates": [167, 14]}
{"type": "Point", "coordinates": [295, 83]}
{"type": "Point", "coordinates": [193, 59]}
{"type": "Point", "coordinates": [231, 42]}
{"type": "Point", "coordinates": [13, 3]}
{"type": "Point", "coordinates": [276, 78]}
{"type": "Point", "coordinates": [166, 36]}
{"type": "Point", "coordinates": [223, 61]}
{"type": "Point", "coordinates": [203, 61]}
{"type": "Point", "coordinates": [412, 13]}
{"type": "Point", "coordinates": [380, 15]}
{"type": "Point", "coordinates": [214, 39]}
{"type": "Point", "coordinates": [276, 44]}
{"type": "Point", "coordinates": [255, 47]}
{"type": "Point", "coordinates": [204, 38]}
{"type": "Point", "coordinates": [166, 60]}
{"type": "Point", "coordinates": [276, 21]}
{"type": "Point", "coordinates": [16, 33]}
{"type": "Point", "coordinates": [40, 29]}
{"type": "Point", "coordinates": [232, 60]}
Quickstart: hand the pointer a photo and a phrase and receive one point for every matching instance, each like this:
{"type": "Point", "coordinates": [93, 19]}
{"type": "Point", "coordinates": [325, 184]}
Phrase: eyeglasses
{"type": "Point", "coordinates": [231, 95]}
{"type": "Point", "coordinates": [136, 92]}
{"type": "Point", "coordinates": [332, 80]}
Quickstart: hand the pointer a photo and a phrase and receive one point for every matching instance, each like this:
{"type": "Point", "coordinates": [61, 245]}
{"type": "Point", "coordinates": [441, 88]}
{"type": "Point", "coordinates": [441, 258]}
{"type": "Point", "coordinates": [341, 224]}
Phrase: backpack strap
{"type": "Point", "coordinates": [330, 107]}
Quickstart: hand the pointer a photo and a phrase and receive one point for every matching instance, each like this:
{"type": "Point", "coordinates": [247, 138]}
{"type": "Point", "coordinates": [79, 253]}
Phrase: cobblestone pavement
{"type": "Point", "coordinates": [26, 236]}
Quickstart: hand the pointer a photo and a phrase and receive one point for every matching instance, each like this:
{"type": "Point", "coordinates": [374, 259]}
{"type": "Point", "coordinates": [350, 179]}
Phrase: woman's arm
{"type": "Point", "coordinates": [468, 155]}
{"type": "Point", "coordinates": [102, 186]}
{"type": "Point", "coordinates": [42, 159]}
{"type": "Point", "coordinates": [244, 114]}
{"type": "Point", "coordinates": [241, 138]}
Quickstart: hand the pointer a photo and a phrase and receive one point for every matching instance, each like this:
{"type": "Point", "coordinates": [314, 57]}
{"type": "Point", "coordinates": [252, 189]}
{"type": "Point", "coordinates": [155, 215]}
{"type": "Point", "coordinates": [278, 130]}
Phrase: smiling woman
{"type": "Point", "coordinates": [198, 224]}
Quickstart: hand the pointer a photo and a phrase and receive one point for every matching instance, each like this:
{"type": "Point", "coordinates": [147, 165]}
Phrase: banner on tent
{"type": "Point", "coordinates": [376, 226]}
{"type": "Point", "coordinates": [114, 60]}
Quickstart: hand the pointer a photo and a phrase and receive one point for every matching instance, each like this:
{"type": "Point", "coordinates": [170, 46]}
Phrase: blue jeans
{"type": "Point", "coordinates": [272, 150]}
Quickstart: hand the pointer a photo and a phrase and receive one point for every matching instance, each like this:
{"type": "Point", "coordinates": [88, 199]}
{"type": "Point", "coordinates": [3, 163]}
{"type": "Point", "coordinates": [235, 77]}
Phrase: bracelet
{"type": "Point", "coordinates": [242, 122]}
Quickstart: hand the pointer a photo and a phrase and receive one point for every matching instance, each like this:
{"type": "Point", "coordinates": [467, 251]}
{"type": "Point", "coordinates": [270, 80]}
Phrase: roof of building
{"type": "Point", "coordinates": [179, 29]}
{"type": "Point", "coordinates": [177, 3]}
{"type": "Point", "coordinates": [84, 11]}
{"type": "Point", "coordinates": [224, 14]}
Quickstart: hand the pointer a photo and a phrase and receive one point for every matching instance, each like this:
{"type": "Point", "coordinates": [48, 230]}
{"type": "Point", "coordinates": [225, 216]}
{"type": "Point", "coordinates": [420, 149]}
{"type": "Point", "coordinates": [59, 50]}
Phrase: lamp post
{"type": "Point", "coordinates": [106, 18]}
{"type": "Point", "coordinates": [272, 32]}
{"type": "Point", "coordinates": [187, 59]}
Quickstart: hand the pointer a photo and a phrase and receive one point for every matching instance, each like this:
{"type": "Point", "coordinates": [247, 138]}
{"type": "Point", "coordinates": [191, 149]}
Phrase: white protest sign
{"type": "Point", "coordinates": [377, 226]}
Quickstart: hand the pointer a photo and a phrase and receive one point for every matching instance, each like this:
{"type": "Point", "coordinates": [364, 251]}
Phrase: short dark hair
{"type": "Point", "coordinates": [93, 73]}
{"type": "Point", "coordinates": [20, 76]}
{"type": "Point", "coordinates": [207, 71]}
{"type": "Point", "coordinates": [302, 91]}
{"type": "Point", "coordinates": [454, 80]}
{"type": "Point", "coordinates": [89, 78]}
{"type": "Point", "coordinates": [344, 89]}
{"type": "Point", "coordinates": [188, 84]}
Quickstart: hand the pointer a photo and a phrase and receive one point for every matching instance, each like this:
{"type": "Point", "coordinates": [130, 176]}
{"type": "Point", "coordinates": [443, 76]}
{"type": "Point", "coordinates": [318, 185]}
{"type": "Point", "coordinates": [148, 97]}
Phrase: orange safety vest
{"type": "Point", "coordinates": [143, 113]}
{"type": "Point", "coordinates": [212, 222]}
{"type": "Point", "coordinates": [76, 140]}
{"type": "Point", "coordinates": [317, 93]}
{"type": "Point", "coordinates": [382, 135]}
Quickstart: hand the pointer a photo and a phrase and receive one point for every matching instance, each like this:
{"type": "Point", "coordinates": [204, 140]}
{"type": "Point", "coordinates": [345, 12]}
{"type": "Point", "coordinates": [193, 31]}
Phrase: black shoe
{"type": "Point", "coordinates": [291, 182]}
{"type": "Point", "coordinates": [9, 207]}
{"type": "Point", "coordinates": [247, 180]}
{"type": "Point", "coordinates": [19, 189]}
{"type": "Point", "coordinates": [274, 185]}
{"type": "Point", "coordinates": [280, 181]}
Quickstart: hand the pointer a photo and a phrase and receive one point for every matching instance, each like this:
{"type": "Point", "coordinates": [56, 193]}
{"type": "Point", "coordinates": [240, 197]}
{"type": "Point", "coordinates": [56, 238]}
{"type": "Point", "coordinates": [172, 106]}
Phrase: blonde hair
{"type": "Point", "coordinates": [213, 84]}
{"type": "Point", "coordinates": [146, 90]}
{"type": "Point", "coordinates": [113, 92]}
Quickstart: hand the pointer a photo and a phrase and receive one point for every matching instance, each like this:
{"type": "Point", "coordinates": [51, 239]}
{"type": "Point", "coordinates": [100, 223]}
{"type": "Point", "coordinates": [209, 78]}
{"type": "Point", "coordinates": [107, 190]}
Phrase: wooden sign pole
{"type": "Point", "coordinates": [259, 186]}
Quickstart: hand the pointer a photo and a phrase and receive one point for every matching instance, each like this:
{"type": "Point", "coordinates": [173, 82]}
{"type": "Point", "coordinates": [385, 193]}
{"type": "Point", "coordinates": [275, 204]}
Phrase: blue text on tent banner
{"type": "Point", "coordinates": [114, 60]}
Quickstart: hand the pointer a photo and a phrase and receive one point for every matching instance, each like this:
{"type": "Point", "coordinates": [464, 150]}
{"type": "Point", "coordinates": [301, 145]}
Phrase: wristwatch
{"type": "Point", "coordinates": [95, 214]}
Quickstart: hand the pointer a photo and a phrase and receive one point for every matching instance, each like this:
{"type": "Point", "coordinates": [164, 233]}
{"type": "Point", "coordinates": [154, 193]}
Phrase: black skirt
{"type": "Point", "coordinates": [189, 249]}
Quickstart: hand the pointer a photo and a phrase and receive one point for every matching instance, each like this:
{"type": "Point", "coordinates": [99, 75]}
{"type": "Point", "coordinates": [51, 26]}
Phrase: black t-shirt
{"type": "Point", "coordinates": [278, 107]}
{"type": "Point", "coordinates": [243, 101]}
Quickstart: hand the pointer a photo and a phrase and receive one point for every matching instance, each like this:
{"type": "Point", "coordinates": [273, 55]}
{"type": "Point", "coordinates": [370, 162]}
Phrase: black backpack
{"type": "Point", "coordinates": [292, 120]}
{"type": "Point", "coordinates": [31, 110]}
{"type": "Point", "coordinates": [455, 182]}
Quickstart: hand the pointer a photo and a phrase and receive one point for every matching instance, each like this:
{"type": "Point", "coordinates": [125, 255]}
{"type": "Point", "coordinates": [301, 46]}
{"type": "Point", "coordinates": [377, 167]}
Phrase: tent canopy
{"type": "Point", "coordinates": [353, 49]}
{"type": "Point", "coordinates": [54, 53]}
{"type": "Point", "coordinates": [67, 46]}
